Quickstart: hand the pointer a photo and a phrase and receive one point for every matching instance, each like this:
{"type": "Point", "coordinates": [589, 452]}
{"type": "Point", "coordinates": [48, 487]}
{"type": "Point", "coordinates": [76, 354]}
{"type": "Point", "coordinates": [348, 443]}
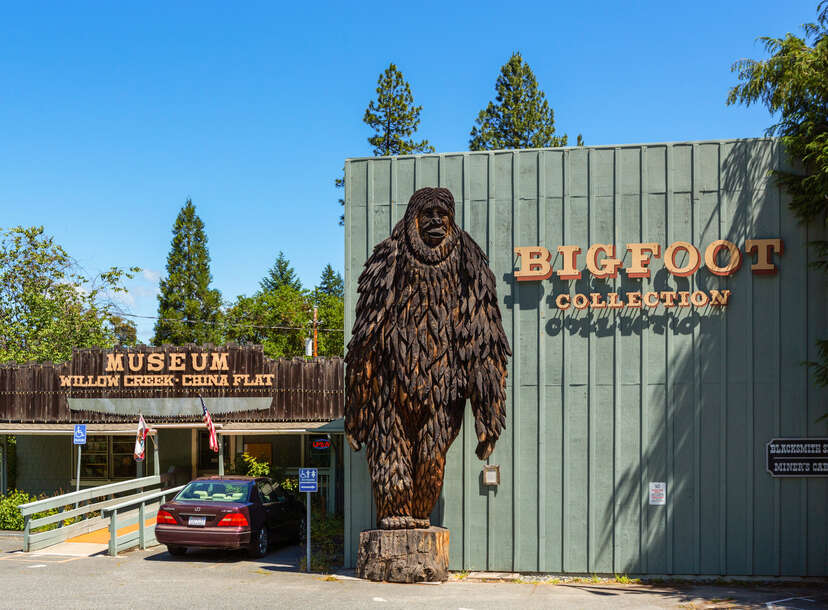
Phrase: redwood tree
{"type": "Point", "coordinates": [189, 311]}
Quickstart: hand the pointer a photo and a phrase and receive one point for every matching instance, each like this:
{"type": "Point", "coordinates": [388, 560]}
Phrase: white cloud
{"type": "Point", "coordinates": [124, 298]}
{"type": "Point", "coordinates": [144, 291]}
{"type": "Point", "coordinates": [151, 275]}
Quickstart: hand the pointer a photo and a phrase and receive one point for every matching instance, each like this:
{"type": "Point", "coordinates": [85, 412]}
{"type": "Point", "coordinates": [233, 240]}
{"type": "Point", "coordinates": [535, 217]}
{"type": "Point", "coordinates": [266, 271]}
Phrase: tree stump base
{"type": "Point", "coordinates": [413, 555]}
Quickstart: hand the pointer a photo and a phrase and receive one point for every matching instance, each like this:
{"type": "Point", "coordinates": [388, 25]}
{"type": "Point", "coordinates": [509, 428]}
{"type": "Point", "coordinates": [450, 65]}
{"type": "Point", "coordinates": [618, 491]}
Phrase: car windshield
{"type": "Point", "coordinates": [215, 491]}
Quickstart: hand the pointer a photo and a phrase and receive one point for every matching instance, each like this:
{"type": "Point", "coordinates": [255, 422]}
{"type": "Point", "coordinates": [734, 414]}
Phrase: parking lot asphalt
{"type": "Point", "coordinates": [217, 579]}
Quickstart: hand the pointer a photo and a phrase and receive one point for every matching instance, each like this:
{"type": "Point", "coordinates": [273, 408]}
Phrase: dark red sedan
{"type": "Point", "coordinates": [230, 512]}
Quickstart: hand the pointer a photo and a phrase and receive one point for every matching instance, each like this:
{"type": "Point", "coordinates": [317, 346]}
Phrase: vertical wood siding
{"type": "Point", "coordinates": [302, 390]}
{"type": "Point", "coordinates": [601, 402]}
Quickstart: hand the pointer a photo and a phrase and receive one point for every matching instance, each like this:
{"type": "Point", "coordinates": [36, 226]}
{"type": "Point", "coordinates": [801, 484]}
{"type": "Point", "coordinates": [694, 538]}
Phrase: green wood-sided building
{"type": "Point", "coordinates": [602, 402]}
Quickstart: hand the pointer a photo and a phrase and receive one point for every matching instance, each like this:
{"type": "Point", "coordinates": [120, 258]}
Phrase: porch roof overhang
{"type": "Point", "coordinates": [234, 428]}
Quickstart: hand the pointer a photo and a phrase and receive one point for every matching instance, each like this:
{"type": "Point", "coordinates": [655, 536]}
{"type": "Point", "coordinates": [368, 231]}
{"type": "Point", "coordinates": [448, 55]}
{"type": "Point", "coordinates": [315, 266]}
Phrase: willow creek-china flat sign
{"type": "Point", "coordinates": [721, 257]}
{"type": "Point", "coordinates": [168, 370]}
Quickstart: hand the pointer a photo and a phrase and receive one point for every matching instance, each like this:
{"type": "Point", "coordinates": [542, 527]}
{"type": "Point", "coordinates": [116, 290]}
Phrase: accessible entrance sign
{"type": "Point", "coordinates": [797, 457]}
{"type": "Point", "coordinates": [308, 479]}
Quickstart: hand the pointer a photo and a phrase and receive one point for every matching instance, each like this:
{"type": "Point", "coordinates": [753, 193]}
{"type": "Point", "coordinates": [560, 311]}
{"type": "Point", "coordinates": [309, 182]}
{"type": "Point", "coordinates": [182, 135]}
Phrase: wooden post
{"type": "Point", "coordinates": [220, 454]}
{"type": "Point", "coordinates": [4, 472]}
{"type": "Point", "coordinates": [156, 462]}
{"type": "Point", "coordinates": [331, 508]}
{"type": "Point", "coordinates": [139, 468]}
{"type": "Point", "coordinates": [113, 534]}
{"type": "Point", "coordinates": [142, 540]}
{"type": "Point", "coordinates": [27, 530]}
{"type": "Point", "coordinates": [194, 453]}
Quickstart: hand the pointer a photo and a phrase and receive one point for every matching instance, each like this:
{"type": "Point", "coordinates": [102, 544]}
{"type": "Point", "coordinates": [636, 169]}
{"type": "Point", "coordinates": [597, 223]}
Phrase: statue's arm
{"type": "Point", "coordinates": [487, 352]}
{"type": "Point", "coordinates": [376, 298]}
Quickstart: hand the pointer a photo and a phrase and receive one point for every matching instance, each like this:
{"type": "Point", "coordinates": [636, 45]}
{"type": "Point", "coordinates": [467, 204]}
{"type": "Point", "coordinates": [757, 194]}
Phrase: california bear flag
{"type": "Point", "coordinates": [140, 439]}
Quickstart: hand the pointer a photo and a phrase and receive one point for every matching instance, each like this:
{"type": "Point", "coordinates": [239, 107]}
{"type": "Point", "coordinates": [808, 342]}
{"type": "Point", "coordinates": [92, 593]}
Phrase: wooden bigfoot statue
{"type": "Point", "coordinates": [427, 336]}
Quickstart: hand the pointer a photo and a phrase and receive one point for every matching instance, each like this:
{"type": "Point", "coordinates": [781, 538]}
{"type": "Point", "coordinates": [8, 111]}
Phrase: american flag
{"type": "Point", "coordinates": [208, 421]}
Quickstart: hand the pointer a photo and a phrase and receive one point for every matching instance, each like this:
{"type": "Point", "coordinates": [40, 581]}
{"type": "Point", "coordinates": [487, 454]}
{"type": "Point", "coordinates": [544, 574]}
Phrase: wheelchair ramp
{"type": "Point", "coordinates": [73, 549]}
{"type": "Point", "coordinates": [101, 536]}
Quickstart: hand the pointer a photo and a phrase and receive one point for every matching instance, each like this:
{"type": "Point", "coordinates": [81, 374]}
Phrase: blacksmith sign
{"type": "Point", "coordinates": [798, 457]}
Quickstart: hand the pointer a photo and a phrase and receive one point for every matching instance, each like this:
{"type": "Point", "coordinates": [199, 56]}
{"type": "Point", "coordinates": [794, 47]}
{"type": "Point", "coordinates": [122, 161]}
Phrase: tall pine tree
{"type": "Point", "coordinates": [331, 283]}
{"type": "Point", "coordinates": [280, 274]}
{"type": "Point", "coordinates": [189, 311]}
{"type": "Point", "coordinates": [328, 297]}
{"type": "Point", "coordinates": [394, 119]}
{"type": "Point", "coordinates": [520, 116]}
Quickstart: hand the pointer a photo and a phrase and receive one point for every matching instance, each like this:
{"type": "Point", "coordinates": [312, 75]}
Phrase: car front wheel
{"type": "Point", "coordinates": [258, 546]}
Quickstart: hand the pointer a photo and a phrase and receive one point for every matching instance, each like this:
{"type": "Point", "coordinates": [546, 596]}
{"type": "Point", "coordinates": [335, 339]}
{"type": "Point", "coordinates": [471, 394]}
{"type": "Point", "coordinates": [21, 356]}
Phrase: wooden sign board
{"type": "Point", "coordinates": [797, 457]}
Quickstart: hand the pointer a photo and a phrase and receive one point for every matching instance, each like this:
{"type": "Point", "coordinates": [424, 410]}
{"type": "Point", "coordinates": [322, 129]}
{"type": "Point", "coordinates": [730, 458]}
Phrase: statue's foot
{"type": "Point", "coordinates": [403, 523]}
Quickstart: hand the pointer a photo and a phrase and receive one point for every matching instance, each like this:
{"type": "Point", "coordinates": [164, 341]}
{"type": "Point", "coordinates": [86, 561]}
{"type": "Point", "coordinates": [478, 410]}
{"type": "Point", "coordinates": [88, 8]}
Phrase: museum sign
{"type": "Point", "coordinates": [206, 369]}
{"type": "Point", "coordinates": [166, 382]}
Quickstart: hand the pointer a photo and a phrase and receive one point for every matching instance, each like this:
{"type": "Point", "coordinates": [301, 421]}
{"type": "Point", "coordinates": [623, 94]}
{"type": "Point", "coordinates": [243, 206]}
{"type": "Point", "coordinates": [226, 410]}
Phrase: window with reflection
{"type": "Point", "coordinates": [106, 458]}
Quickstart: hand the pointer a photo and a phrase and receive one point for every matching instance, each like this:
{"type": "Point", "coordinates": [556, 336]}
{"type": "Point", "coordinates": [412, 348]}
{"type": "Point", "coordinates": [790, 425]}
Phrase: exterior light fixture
{"type": "Point", "coordinates": [491, 475]}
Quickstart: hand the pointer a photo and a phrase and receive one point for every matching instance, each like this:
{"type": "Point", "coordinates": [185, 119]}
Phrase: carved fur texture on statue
{"type": "Point", "coordinates": [427, 337]}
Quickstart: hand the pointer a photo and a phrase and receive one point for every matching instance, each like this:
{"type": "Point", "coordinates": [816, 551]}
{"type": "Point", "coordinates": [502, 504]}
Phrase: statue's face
{"type": "Point", "coordinates": [433, 222]}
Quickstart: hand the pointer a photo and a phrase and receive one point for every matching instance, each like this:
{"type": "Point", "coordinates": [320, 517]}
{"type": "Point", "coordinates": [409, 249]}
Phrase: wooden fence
{"type": "Point", "coordinates": [300, 390]}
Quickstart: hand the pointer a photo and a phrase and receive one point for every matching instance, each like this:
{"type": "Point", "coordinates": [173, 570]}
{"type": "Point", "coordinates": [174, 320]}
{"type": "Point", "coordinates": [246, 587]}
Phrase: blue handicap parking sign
{"type": "Point", "coordinates": [80, 434]}
{"type": "Point", "coordinates": [308, 479]}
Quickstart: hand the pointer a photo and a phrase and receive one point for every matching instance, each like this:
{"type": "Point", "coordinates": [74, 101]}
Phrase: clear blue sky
{"type": "Point", "coordinates": [110, 117]}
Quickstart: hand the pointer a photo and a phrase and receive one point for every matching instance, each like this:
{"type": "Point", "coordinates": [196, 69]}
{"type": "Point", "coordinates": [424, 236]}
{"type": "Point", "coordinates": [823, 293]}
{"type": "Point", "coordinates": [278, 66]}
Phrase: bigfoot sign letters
{"type": "Point", "coordinates": [427, 336]}
{"type": "Point", "coordinates": [721, 257]}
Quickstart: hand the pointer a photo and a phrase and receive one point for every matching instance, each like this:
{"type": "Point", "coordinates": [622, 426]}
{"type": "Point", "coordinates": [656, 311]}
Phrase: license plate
{"type": "Point", "coordinates": [197, 521]}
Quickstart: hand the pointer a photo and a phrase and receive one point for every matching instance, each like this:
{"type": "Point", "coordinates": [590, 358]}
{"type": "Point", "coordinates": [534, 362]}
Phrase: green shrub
{"type": "Point", "coordinates": [290, 484]}
{"type": "Point", "coordinates": [10, 517]}
{"type": "Point", "coordinates": [255, 468]}
{"type": "Point", "coordinates": [327, 542]}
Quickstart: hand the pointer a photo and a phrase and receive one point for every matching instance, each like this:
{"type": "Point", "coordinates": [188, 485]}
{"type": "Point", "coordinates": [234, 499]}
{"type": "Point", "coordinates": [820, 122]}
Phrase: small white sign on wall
{"type": "Point", "coordinates": [658, 494]}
